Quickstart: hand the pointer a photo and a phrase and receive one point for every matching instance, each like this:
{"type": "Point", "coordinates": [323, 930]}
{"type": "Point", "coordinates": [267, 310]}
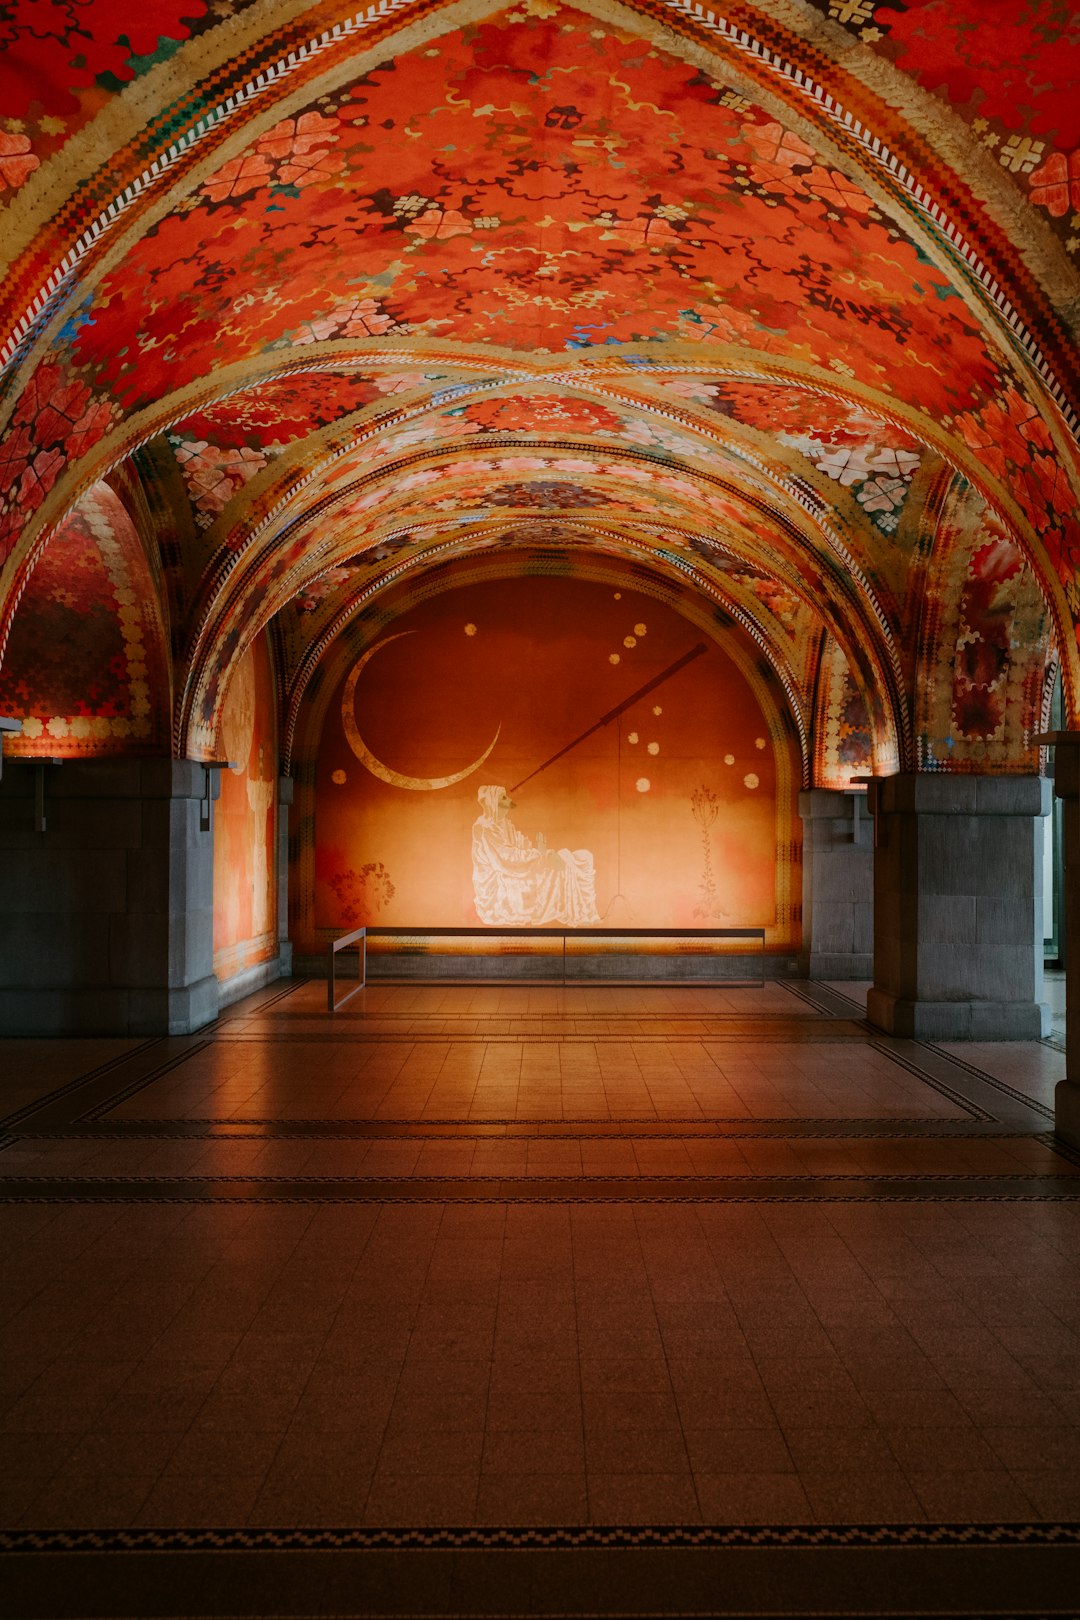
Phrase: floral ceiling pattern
{"type": "Point", "coordinates": [540, 277]}
{"type": "Point", "coordinates": [1000, 69]}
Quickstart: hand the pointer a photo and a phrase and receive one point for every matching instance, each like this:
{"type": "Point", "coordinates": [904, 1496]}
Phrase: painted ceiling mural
{"type": "Point", "coordinates": [556, 280]}
{"type": "Point", "coordinates": [999, 69]}
{"type": "Point", "coordinates": [85, 667]}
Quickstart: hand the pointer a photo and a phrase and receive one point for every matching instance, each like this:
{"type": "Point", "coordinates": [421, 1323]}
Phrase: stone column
{"type": "Point", "coordinates": [107, 916]}
{"type": "Point", "coordinates": [838, 885]}
{"type": "Point", "coordinates": [1067, 787]}
{"type": "Point", "coordinates": [958, 907]}
{"type": "Point", "coordinates": [285, 799]}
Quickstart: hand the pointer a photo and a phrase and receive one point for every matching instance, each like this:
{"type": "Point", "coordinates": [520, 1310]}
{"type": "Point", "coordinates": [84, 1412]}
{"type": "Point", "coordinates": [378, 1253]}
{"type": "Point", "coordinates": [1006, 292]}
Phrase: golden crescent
{"type": "Point", "coordinates": [418, 784]}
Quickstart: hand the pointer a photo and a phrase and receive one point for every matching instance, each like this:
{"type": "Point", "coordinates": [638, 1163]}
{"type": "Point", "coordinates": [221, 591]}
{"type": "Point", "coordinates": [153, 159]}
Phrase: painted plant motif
{"type": "Point", "coordinates": [705, 808]}
{"type": "Point", "coordinates": [362, 892]}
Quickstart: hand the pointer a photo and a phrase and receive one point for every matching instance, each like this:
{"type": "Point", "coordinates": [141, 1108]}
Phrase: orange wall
{"type": "Point", "coordinates": [532, 663]}
{"type": "Point", "coordinates": [245, 820]}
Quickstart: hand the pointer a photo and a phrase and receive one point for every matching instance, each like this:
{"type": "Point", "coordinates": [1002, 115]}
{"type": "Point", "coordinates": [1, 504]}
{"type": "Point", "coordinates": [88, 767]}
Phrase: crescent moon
{"type": "Point", "coordinates": [418, 784]}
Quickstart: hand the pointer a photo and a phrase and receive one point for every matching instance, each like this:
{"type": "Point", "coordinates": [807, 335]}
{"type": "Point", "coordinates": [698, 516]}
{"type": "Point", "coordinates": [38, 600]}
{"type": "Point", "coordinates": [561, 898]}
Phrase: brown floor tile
{"type": "Point", "coordinates": [752, 1499]}
{"type": "Point", "coordinates": [635, 1451]}
{"type": "Point", "coordinates": [626, 1375]}
{"type": "Point", "coordinates": [868, 1498]}
{"type": "Point", "coordinates": [530, 1451]}
{"type": "Point", "coordinates": [296, 1492]}
{"type": "Point", "coordinates": [69, 1504]}
{"type": "Point", "coordinates": [215, 1453]}
{"type": "Point", "coordinates": [547, 1375]}
{"type": "Point", "coordinates": [1051, 1449]}
{"type": "Point", "coordinates": [430, 1451]}
{"type": "Point", "coordinates": [422, 1499]}
{"type": "Point", "coordinates": [1055, 1492]}
{"type": "Point", "coordinates": [538, 1499]}
{"type": "Point", "coordinates": [642, 1499]}
{"type": "Point", "coordinates": [946, 1450]}
{"type": "Point", "coordinates": [630, 1409]}
{"type": "Point", "coordinates": [966, 1497]}
{"type": "Point", "coordinates": [35, 1456]}
{"type": "Point", "coordinates": [455, 1411]}
{"type": "Point", "coordinates": [193, 1501]}
{"type": "Point", "coordinates": [914, 1408]}
{"type": "Point", "coordinates": [738, 1451]}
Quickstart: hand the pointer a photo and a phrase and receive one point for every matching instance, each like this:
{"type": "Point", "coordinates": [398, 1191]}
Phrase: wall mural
{"type": "Point", "coordinates": [982, 608]}
{"type": "Point", "coordinates": [550, 752]}
{"type": "Point", "coordinates": [843, 732]}
{"type": "Point", "coordinates": [245, 820]}
{"type": "Point", "coordinates": [85, 666]}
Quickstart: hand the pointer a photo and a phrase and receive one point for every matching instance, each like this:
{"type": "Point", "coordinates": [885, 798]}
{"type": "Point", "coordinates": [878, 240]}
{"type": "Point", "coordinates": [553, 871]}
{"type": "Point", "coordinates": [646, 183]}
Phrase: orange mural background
{"type": "Point", "coordinates": [245, 820]}
{"type": "Point", "coordinates": [665, 817]}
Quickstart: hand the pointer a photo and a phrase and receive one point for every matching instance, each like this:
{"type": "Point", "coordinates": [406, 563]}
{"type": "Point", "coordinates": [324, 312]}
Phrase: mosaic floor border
{"type": "Point", "coordinates": [1036, 1533]}
{"type": "Point", "coordinates": [537, 1190]}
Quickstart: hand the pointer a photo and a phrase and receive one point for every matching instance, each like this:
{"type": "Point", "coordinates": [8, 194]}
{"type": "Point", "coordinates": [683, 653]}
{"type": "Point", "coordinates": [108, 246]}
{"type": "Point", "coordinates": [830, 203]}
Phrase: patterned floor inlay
{"type": "Point", "coordinates": [533, 1190]}
{"type": "Point", "coordinates": [381, 1538]}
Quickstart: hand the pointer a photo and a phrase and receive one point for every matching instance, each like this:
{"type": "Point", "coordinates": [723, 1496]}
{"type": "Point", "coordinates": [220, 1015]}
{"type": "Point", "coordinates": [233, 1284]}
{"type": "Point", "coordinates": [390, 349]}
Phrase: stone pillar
{"type": "Point", "coordinates": [958, 907]}
{"type": "Point", "coordinates": [1067, 787]}
{"type": "Point", "coordinates": [838, 885]}
{"type": "Point", "coordinates": [285, 799]}
{"type": "Point", "coordinates": [107, 916]}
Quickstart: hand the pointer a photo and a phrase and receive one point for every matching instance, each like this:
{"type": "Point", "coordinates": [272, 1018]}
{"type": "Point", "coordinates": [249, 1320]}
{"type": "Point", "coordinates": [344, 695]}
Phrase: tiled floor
{"type": "Point", "coordinates": [582, 1259]}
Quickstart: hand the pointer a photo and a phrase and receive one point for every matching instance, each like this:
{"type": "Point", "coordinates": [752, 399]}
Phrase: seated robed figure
{"type": "Point", "coordinates": [519, 884]}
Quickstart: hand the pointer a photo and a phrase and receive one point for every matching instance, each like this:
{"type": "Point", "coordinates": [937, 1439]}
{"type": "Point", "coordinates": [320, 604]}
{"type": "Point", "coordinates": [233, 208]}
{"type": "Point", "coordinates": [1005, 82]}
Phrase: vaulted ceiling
{"type": "Point", "coordinates": [778, 306]}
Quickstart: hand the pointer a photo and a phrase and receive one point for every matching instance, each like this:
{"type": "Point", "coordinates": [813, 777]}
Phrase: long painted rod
{"type": "Point", "coordinates": [613, 714]}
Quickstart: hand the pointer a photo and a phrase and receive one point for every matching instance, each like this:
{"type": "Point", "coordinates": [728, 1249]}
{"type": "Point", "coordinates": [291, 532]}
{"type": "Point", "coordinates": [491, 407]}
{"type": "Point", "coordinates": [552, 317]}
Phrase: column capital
{"type": "Point", "coordinates": [965, 794]}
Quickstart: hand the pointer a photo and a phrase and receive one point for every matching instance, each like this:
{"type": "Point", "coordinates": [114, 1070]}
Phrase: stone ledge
{"type": "Point", "coordinates": [926, 793]}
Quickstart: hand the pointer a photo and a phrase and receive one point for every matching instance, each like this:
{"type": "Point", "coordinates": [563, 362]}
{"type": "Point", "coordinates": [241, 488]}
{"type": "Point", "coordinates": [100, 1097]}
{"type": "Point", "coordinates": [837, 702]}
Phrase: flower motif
{"type": "Point", "coordinates": [360, 317]}
{"type": "Point", "coordinates": [438, 224]}
{"type": "Point", "coordinates": [237, 177]}
{"type": "Point", "coordinates": [848, 464]}
{"type": "Point", "coordinates": [838, 192]}
{"type": "Point", "coordinates": [882, 494]}
{"type": "Point", "coordinates": [17, 162]}
{"type": "Point", "coordinates": [298, 137]}
{"type": "Point", "coordinates": [1055, 186]}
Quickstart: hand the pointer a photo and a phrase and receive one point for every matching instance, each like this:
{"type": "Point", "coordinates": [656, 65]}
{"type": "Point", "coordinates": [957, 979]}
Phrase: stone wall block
{"type": "Point", "coordinates": [1005, 972]}
{"type": "Point", "coordinates": [53, 949]}
{"type": "Point", "coordinates": [1000, 918]}
{"type": "Point", "coordinates": [94, 779]}
{"type": "Point", "coordinates": [33, 1011]}
{"type": "Point", "coordinates": [947, 919]}
{"type": "Point", "coordinates": [51, 882]}
{"type": "Point", "coordinates": [138, 954]}
{"type": "Point", "coordinates": [944, 973]}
